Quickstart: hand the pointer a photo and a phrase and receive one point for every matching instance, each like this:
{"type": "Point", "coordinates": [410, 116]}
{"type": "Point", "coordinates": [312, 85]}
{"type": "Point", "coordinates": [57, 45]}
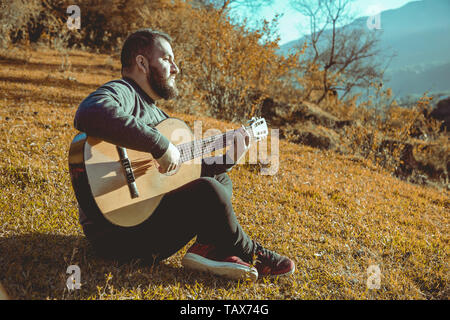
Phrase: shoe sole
{"type": "Point", "coordinates": [229, 270]}
{"type": "Point", "coordinates": [284, 274]}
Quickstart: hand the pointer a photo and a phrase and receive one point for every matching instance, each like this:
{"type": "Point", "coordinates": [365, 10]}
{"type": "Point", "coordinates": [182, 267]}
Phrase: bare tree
{"type": "Point", "coordinates": [346, 55]}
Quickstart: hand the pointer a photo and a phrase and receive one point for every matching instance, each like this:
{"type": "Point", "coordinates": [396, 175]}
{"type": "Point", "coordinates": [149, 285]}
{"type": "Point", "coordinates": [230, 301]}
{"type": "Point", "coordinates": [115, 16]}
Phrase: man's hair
{"type": "Point", "coordinates": [140, 42]}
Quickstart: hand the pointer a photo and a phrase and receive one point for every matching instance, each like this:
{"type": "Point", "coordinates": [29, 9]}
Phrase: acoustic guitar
{"type": "Point", "coordinates": [124, 186]}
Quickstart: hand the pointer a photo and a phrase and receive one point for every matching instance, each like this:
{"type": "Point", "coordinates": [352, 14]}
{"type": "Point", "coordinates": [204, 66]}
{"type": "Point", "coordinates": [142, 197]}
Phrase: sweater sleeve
{"type": "Point", "coordinates": [102, 115]}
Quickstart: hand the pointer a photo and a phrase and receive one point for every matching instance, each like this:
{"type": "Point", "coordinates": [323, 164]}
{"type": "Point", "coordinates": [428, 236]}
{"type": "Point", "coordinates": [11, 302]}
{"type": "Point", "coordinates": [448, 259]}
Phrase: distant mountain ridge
{"type": "Point", "coordinates": [419, 34]}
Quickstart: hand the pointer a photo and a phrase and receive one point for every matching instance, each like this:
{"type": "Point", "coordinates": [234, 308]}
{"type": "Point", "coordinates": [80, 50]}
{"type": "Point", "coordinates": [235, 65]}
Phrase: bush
{"type": "Point", "coordinates": [18, 20]}
{"type": "Point", "coordinates": [227, 70]}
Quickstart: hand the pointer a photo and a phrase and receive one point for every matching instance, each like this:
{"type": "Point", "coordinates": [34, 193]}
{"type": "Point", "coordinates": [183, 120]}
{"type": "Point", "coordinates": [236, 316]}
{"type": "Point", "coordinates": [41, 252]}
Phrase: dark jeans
{"type": "Point", "coordinates": [200, 208]}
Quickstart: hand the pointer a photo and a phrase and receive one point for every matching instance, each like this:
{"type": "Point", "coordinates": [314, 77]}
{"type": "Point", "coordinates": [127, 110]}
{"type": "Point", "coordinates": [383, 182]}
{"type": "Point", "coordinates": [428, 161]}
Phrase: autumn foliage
{"type": "Point", "coordinates": [226, 69]}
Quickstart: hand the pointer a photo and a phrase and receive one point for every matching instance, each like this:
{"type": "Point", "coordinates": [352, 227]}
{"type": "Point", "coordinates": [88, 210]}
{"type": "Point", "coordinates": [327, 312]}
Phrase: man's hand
{"type": "Point", "coordinates": [240, 145]}
{"type": "Point", "coordinates": [170, 160]}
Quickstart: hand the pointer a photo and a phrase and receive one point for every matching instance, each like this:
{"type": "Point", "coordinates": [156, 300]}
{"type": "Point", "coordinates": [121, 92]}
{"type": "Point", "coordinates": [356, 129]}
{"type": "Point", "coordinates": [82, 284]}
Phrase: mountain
{"type": "Point", "coordinates": [419, 35]}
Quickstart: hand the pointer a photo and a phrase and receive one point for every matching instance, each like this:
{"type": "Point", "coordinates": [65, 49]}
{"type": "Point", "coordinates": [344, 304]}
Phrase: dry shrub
{"type": "Point", "coordinates": [103, 23]}
{"type": "Point", "coordinates": [16, 18]}
{"type": "Point", "coordinates": [228, 69]}
{"type": "Point", "coordinates": [405, 141]}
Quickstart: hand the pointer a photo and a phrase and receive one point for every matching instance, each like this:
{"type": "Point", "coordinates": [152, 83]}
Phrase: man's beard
{"type": "Point", "coordinates": [161, 86]}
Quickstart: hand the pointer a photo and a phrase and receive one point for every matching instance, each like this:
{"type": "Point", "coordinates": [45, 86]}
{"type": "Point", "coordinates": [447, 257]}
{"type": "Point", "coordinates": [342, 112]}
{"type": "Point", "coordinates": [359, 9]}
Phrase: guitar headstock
{"type": "Point", "coordinates": [258, 128]}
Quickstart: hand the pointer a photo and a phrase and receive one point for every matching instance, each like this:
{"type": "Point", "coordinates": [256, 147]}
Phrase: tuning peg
{"type": "Point", "coordinates": [253, 119]}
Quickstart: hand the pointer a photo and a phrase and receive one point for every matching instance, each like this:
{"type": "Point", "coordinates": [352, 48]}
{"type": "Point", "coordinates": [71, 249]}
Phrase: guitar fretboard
{"type": "Point", "coordinates": [199, 148]}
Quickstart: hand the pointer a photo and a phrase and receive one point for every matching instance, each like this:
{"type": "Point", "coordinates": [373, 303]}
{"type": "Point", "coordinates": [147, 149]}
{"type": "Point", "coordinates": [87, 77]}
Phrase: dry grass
{"type": "Point", "coordinates": [333, 215]}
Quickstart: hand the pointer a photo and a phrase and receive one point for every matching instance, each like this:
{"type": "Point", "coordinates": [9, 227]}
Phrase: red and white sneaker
{"type": "Point", "coordinates": [201, 257]}
{"type": "Point", "coordinates": [270, 263]}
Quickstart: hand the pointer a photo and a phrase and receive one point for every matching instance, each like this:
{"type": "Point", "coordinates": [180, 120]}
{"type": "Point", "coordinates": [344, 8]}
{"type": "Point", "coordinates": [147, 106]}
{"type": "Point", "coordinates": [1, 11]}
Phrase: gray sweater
{"type": "Point", "coordinates": [120, 112]}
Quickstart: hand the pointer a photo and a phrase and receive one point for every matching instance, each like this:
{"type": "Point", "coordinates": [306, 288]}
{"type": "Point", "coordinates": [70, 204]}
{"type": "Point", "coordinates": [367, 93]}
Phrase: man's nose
{"type": "Point", "coordinates": [174, 68]}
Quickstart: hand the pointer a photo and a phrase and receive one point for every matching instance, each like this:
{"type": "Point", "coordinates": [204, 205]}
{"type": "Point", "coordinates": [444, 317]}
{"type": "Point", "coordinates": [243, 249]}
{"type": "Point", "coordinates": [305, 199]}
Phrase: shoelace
{"type": "Point", "coordinates": [264, 253]}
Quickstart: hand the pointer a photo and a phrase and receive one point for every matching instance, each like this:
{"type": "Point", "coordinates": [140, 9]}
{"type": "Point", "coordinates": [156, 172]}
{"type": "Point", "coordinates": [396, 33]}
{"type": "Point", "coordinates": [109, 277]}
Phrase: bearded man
{"type": "Point", "coordinates": [123, 112]}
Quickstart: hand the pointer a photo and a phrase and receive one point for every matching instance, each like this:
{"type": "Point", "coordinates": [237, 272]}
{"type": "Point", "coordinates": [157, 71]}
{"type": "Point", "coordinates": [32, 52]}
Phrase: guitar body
{"type": "Point", "coordinates": [102, 187]}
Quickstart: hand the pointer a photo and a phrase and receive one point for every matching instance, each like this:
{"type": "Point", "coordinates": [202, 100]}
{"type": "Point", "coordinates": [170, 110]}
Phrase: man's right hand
{"type": "Point", "coordinates": [170, 160]}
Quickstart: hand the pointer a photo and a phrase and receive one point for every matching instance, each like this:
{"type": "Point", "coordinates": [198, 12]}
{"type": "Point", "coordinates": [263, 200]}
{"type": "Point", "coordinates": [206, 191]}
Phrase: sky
{"type": "Point", "coordinates": [290, 24]}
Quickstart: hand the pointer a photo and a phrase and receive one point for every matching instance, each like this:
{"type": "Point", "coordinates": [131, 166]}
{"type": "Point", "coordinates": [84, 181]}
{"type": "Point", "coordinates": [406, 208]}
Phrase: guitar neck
{"type": "Point", "coordinates": [201, 148]}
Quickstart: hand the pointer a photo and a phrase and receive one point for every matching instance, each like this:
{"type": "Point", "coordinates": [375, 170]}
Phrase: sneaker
{"type": "Point", "coordinates": [269, 263]}
{"type": "Point", "coordinates": [201, 257]}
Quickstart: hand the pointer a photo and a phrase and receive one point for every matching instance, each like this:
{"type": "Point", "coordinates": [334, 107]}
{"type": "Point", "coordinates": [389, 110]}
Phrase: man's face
{"type": "Point", "coordinates": [163, 70]}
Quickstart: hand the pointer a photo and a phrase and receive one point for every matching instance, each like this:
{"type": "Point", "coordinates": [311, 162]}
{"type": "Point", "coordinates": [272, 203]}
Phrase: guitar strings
{"type": "Point", "coordinates": [193, 149]}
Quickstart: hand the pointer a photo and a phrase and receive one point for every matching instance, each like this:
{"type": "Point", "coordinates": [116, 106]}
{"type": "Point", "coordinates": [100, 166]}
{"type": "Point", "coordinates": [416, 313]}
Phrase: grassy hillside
{"type": "Point", "coordinates": [334, 215]}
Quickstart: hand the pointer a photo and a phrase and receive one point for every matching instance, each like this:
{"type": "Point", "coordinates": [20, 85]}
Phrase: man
{"type": "Point", "coordinates": [123, 112]}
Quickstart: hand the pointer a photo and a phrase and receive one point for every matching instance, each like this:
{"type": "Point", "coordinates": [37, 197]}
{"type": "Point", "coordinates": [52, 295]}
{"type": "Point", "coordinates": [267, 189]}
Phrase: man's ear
{"type": "Point", "coordinates": [141, 63]}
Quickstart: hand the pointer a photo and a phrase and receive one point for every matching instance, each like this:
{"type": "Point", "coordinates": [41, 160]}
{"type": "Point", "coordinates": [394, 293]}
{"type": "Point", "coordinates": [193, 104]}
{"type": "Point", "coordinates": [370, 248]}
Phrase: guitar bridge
{"type": "Point", "coordinates": [129, 175]}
